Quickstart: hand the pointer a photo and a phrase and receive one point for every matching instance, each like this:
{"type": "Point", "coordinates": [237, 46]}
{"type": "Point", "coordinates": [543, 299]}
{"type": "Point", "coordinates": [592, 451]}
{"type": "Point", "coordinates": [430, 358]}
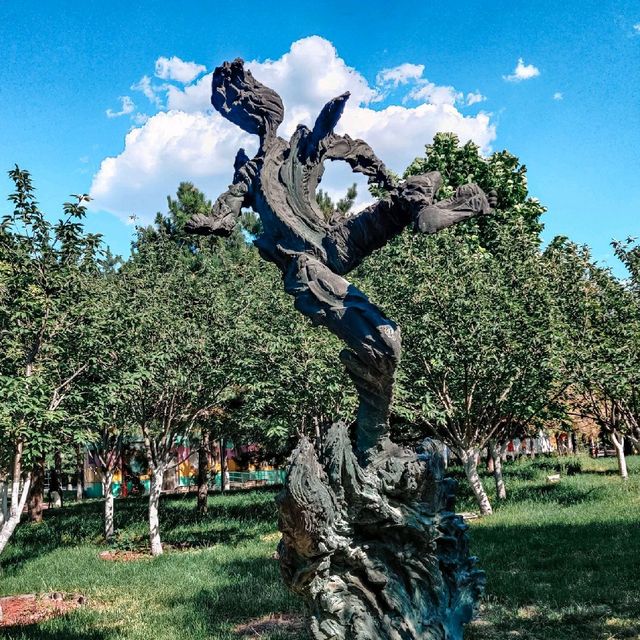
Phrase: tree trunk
{"type": "Point", "coordinates": [470, 461]}
{"type": "Point", "coordinates": [107, 482]}
{"type": "Point", "coordinates": [618, 443]}
{"type": "Point", "coordinates": [317, 433]}
{"type": "Point", "coordinates": [157, 477]}
{"type": "Point", "coordinates": [203, 473]}
{"type": "Point", "coordinates": [224, 479]}
{"type": "Point", "coordinates": [36, 499]}
{"type": "Point", "coordinates": [490, 461]}
{"type": "Point", "coordinates": [495, 451]}
{"type": "Point", "coordinates": [4, 503]}
{"type": "Point", "coordinates": [55, 482]}
{"type": "Point", "coordinates": [18, 500]}
{"type": "Point", "coordinates": [79, 473]}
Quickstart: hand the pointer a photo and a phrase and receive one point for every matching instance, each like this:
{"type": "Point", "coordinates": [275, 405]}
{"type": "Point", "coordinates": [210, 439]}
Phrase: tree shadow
{"type": "Point", "coordinates": [231, 519]}
{"type": "Point", "coordinates": [563, 495]}
{"type": "Point", "coordinates": [559, 581]}
{"type": "Point", "coordinates": [65, 632]}
{"type": "Point", "coordinates": [253, 591]}
{"type": "Point", "coordinates": [527, 625]}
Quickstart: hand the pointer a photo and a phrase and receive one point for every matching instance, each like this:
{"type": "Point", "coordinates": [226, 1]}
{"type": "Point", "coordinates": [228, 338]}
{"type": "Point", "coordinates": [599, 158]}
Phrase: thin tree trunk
{"type": "Point", "coordinates": [55, 483]}
{"type": "Point", "coordinates": [109, 507]}
{"type": "Point", "coordinates": [495, 452]}
{"type": "Point", "coordinates": [317, 433]}
{"type": "Point", "coordinates": [4, 503]}
{"type": "Point", "coordinates": [79, 473]}
{"type": "Point", "coordinates": [36, 499]}
{"type": "Point", "coordinates": [618, 443]}
{"type": "Point", "coordinates": [224, 481]}
{"type": "Point", "coordinates": [470, 462]}
{"type": "Point", "coordinates": [203, 475]}
{"type": "Point", "coordinates": [490, 461]}
{"type": "Point", "coordinates": [18, 501]}
{"type": "Point", "coordinates": [157, 477]}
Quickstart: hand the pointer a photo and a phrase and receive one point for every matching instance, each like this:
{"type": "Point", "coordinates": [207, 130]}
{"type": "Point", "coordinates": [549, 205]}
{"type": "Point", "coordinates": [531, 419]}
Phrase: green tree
{"type": "Point", "coordinates": [46, 332]}
{"type": "Point", "coordinates": [197, 311]}
{"type": "Point", "coordinates": [603, 340]}
{"type": "Point", "coordinates": [479, 324]}
{"type": "Point", "coordinates": [330, 208]}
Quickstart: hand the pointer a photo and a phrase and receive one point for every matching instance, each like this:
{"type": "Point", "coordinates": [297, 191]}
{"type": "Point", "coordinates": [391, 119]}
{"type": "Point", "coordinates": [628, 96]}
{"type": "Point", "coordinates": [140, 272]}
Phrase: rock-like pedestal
{"type": "Point", "coordinates": [376, 551]}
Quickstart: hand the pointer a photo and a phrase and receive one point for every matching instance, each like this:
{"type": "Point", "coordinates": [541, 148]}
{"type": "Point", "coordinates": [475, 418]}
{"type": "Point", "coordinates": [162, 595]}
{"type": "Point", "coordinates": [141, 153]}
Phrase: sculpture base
{"type": "Point", "coordinates": [376, 551]}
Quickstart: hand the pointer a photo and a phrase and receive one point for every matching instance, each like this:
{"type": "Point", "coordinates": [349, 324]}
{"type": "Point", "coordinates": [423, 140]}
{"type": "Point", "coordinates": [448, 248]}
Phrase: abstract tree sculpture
{"type": "Point", "coordinates": [369, 537]}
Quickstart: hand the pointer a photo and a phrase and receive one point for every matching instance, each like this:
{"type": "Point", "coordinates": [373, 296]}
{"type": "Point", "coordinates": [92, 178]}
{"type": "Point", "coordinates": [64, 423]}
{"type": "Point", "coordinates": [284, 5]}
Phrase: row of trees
{"type": "Point", "coordinates": [195, 338]}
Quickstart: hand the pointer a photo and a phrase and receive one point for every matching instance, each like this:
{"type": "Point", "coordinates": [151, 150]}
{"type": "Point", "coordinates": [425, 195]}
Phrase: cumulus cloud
{"type": "Point", "coordinates": [190, 141]}
{"type": "Point", "coordinates": [636, 27]}
{"type": "Point", "coordinates": [127, 107]}
{"type": "Point", "coordinates": [400, 75]}
{"type": "Point", "coordinates": [522, 72]}
{"type": "Point", "coordinates": [176, 69]}
{"type": "Point", "coordinates": [170, 147]}
{"type": "Point", "coordinates": [558, 96]}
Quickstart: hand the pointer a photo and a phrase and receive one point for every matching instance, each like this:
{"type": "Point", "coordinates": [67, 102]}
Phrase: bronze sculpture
{"type": "Point", "coordinates": [369, 537]}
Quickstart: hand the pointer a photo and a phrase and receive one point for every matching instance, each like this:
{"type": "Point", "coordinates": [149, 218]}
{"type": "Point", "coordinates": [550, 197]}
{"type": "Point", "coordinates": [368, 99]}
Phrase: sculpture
{"type": "Point", "coordinates": [370, 539]}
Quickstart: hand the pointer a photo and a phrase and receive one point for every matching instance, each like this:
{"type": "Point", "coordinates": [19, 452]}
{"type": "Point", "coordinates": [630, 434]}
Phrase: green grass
{"type": "Point", "coordinates": [562, 561]}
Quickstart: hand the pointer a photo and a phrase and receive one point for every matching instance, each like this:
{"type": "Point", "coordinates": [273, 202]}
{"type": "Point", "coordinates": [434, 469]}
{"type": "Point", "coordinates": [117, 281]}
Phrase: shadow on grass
{"type": "Point", "coordinates": [253, 590]}
{"type": "Point", "coordinates": [555, 566]}
{"type": "Point", "coordinates": [564, 495]}
{"type": "Point", "coordinates": [591, 623]}
{"type": "Point", "coordinates": [64, 631]}
{"type": "Point", "coordinates": [231, 519]}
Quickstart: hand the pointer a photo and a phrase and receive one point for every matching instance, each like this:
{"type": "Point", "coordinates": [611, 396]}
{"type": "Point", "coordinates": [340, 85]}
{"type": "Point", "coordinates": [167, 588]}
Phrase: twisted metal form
{"type": "Point", "coordinates": [369, 537]}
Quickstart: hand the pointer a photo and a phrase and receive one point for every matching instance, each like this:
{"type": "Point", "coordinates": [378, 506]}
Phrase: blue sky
{"type": "Point", "coordinates": [572, 115]}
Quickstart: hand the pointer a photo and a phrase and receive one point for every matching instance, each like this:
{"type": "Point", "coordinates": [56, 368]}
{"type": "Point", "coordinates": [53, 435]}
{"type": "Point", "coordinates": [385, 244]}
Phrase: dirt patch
{"type": "Point", "coordinates": [257, 627]}
{"type": "Point", "coordinates": [124, 556]}
{"type": "Point", "coordinates": [30, 609]}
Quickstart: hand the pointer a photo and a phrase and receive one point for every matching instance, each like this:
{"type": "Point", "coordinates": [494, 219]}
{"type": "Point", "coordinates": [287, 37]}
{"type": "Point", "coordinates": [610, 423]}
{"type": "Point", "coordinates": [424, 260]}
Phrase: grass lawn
{"type": "Point", "coordinates": [562, 561]}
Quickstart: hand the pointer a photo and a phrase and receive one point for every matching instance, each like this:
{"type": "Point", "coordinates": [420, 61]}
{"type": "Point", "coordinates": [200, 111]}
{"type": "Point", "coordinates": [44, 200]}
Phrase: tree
{"type": "Point", "coordinates": [478, 320]}
{"type": "Point", "coordinates": [103, 410]}
{"type": "Point", "coordinates": [45, 332]}
{"type": "Point", "coordinates": [194, 339]}
{"type": "Point", "coordinates": [340, 208]}
{"type": "Point", "coordinates": [603, 330]}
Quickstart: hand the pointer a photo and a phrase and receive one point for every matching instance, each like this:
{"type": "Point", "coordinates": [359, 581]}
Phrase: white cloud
{"type": "Point", "coordinates": [474, 98]}
{"type": "Point", "coordinates": [522, 72]}
{"type": "Point", "coordinates": [636, 27]}
{"type": "Point", "coordinates": [176, 69]}
{"type": "Point", "coordinates": [170, 147]}
{"type": "Point", "coordinates": [190, 141]}
{"type": "Point", "coordinates": [194, 98]}
{"type": "Point", "coordinates": [148, 90]}
{"type": "Point", "coordinates": [429, 92]}
{"type": "Point", "coordinates": [401, 74]}
{"type": "Point", "coordinates": [127, 106]}
{"type": "Point", "coordinates": [558, 96]}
